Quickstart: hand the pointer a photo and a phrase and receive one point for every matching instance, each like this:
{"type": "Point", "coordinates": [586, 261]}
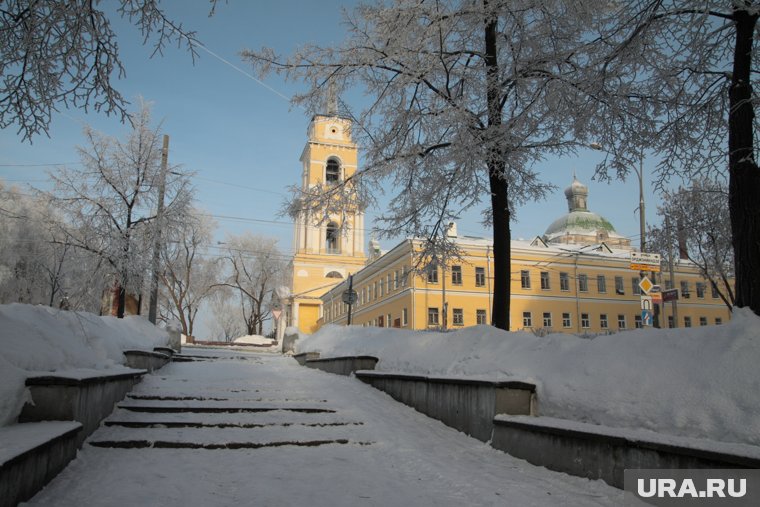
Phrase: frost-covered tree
{"type": "Point", "coordinates": [256, 268]}
{"type": "Point", "coordinates": [465, 97]}
{"type": "Point", "coordinates": [696, 224]}
{"type": "Point", "coordinates": [678, 77]}
{"type": "Point", "coordinates": [226, 324]}
{"type": "Point", "coordinates": [37, 263]}
{"type": "Point", "coordinates": [110, 203]}
{"type": "Point", "coordinates": [55, 54]}
{"type": "Point", "coordinates": [187, 276]}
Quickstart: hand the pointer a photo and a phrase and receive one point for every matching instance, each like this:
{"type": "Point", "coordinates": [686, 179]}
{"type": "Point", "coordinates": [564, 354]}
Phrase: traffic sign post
{"type": "Point", "coordinates": [641, 261]}
{"type": "Point", "coordinates": [349, 297]}
{"type": "Point", "coordinates": [646, 317]}
{"type": "Point", "coordinates": [645, 284]}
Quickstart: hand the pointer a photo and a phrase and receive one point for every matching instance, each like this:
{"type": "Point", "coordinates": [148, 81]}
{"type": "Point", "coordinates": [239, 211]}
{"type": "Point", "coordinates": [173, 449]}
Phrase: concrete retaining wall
{"type": "Point", "coordinates": [599, 452]}
{"type": "Point", "coordinates": [342, 365]}
{"type": "Point", "coordinates": [467, 405]}
{"type": "Point", "coordinates": [24, 471]}
{"type": "Point", "coordinates": [87, 400]}
{"type": "Point", "coordinates": [145, 359]}
{"type": "Point", "coordinates": [305, 356]}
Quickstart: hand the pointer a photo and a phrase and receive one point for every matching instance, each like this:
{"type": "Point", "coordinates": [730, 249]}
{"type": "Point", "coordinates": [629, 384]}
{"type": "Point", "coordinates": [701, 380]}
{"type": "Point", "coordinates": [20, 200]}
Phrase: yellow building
{"type": "Point", "coordinates": [576, 278]}
{"type": "Point", "coordinates": [327, 248]}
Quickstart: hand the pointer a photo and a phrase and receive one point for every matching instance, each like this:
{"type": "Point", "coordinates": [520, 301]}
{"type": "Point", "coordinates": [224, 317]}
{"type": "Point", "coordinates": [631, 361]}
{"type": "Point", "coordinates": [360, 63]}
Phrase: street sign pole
{"type": "Point", "coordinates": [350, 291]}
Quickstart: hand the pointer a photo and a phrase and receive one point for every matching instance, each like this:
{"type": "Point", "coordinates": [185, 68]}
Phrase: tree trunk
{"type": "Point", "coordinates": [499, 186]}
{"type": "Point", "coordinates": [122, 302]}
{"type": "Point", "coordinates": [744, 178]}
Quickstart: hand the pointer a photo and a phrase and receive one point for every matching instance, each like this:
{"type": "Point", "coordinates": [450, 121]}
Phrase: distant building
{"type": "Point", "coordinates": [575, 278]}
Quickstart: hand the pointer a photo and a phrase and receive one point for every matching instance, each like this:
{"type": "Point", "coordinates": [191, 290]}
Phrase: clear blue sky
{"type": "Point", "coordinates": [243, 140]}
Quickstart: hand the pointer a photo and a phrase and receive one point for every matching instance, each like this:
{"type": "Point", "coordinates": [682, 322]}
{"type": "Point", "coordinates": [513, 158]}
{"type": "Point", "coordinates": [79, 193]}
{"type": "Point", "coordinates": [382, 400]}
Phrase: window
{"type": "Point", "coordinates": [432, 316]}
{"type": "Point", "coordinates": [714, 290]}
{"type": "Point", "coordinates": [621, 321]}
{"type": "Point", "coordinates": [432, 273]}
{"type": "Point", "coordinates": [603, 321]}
{"type": "Point", "coordinates": [456, 275]}
{"type": "Point", "coordinates": [480, 316]}
{"type": "Point", "coordinates": [564, 282]}
{"type": "Point", "coordinates": [388, 322]}
{"type": "Point", "coordinates": [566, 320]}
{"type": "Point", "coordinates": [404, 317]}
{"type": "Point", "coordinates": [374, 293]}
{"type": "Point", "coordinates": [382, 287]}
{"type": "Point", "coordinates": [332, 171]}
{"type": "Point", "coordinates": [583, 283]}
{"type": "Point", "coordinates": [619, 286]}
{"type": "Point", "coordinates": [685, 289]}
{"type": "Point", "coordinates": [395, 280]}
{"type": "Point", "coordinates": [525, 279]}
{"type": "Point", "coordinates": [332, 237]}
{"type": "Point", "coordinates": [527, 319]}
{"type": "Point", "coordinates": [700, 290]}
{"type": "Point", "coordinates": [458, 317]}
{"type": "Point", "coordinates": [718, 321]}
{"type": "Point", "coordinates": [671, 322]}
{"type": "Point", "coordinates": [547, 319]}
{"type": "Point", "coordinates": [687, 322]}
{"type": "Point", "coordinates": [637, 321]}
{"type": "Point", "coordinates": [601, 284]}
{"type": "Point", "coordinates": [668, 285]}
{"type": "Point", "coordinates": [585, 321]}
{"type": "Point", "coordinates": [635, 285]}
{"type": "Point", "coordinates": [545, 280]}
{"type": "Point", "coordinates": [388, 282]}
{"type": "Point", "coordinates": [480, 277]}
{"type": "Point", "coordinates": [404, 276]}
{"type": "Point", "coordinates": [703, 321]}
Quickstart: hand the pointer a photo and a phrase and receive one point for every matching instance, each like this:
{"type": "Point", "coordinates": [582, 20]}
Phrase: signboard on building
{"type": "Point", "coordinates": [642, 261]}
{"type": "Point", "coordinates": [670, 295]}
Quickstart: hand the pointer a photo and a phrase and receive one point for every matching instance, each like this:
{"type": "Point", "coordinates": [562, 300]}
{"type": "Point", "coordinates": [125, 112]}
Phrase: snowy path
{"type": "Point", "coordinates": [247, 429]}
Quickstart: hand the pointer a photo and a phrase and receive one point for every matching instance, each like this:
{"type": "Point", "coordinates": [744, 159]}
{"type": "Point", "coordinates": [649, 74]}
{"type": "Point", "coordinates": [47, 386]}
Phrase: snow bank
{"type": "Point", "coordinates": [700, 382]}
{"type": "Point", "coordinates": [253, 339]}
{"type": "Point", "coordinates": [38, 339]}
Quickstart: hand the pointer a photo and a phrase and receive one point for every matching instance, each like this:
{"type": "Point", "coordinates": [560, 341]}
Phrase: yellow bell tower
{"type": "Point", "coordinates": [327, 249]}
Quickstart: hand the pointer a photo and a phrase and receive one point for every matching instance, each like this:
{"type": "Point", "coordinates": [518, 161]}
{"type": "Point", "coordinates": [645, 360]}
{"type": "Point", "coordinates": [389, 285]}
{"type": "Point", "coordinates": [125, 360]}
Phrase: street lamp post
{"type": "Point", "coordinates": [642, 221]}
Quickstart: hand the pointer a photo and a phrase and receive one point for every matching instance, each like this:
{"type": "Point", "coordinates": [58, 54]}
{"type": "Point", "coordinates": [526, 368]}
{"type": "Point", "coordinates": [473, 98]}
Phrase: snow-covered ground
{"type": "Point", "coordinates": [40, 339]}
{"type": "Point", "coordinates": [700, 382]}
{"type": "Point", "coordinates": [307, 438]}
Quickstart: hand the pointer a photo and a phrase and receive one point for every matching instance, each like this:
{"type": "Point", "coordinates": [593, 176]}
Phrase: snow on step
{"type": "Point", "coordinates": [216, 436]}
{"type": "Point", "coordinates": [215, 408]}
{"type": "Point", "coordinates": [281, 417]}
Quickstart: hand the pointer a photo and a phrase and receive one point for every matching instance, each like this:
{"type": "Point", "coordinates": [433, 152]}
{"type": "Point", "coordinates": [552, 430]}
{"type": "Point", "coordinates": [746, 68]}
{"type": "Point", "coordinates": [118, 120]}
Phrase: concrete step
{"type": "Point", "coordinates": [143, 444]}
{"type": "Point", "coordinates": [218, 409]}
{"type": "Point", "coordinates": [189, 424]}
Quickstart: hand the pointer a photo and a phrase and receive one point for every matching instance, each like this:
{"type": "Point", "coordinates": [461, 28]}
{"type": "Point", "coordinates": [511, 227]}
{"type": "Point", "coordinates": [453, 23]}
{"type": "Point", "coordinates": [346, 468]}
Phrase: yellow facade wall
{"type": "Point", "coordinates": [578, 295]}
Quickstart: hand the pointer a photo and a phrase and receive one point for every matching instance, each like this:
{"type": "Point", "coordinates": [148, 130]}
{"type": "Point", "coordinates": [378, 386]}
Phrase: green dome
{"type": "Point", "coordinates": [579, 222]}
